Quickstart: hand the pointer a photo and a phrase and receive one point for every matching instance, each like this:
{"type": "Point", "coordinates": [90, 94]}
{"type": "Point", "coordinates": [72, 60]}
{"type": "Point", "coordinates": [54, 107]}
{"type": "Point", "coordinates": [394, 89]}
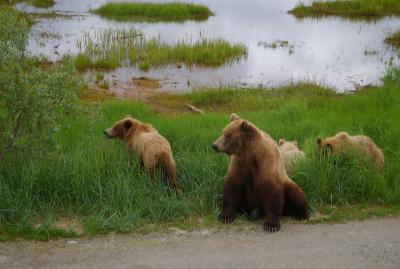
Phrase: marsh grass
{"type": "Point", "coordinates": [35, 3]}
{"type": "Point", "coordinates": [103, 185]}
{"type": "Point", "coordinates": [393, 39]}
{"type": "Point", "coordinates": [349, 9]}
{"type": "Point", "coordinates": [166, 12]}
{"type": "Point", "coordinates": [116, 47]}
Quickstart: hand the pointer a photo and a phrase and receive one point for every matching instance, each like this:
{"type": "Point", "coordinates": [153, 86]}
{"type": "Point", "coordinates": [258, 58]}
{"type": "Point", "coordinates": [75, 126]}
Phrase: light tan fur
{"type": "Point", "coordinates": [342, 142]}
{"type": "Point", "coordinates": [290, 153]}
{"type": "Point", "coordinates": [153, 150]}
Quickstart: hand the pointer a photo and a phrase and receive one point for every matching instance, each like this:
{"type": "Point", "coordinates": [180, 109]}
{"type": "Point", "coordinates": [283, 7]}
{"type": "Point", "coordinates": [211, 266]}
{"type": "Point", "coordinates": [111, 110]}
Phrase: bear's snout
{"type": "Point", "coordinates": [215, 147]}
{"type": "Point", "coordinates": [106, 133]}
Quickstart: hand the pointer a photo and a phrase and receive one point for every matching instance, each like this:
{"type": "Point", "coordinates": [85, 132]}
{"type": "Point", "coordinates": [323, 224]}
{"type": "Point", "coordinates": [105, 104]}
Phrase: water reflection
{"type": "Point", "coordinates": [330, 51]}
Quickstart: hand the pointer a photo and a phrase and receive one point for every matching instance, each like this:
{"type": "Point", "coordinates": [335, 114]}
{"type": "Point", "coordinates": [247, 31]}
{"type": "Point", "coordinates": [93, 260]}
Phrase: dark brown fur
{"type": "Point", "coordinates": [256, 177]}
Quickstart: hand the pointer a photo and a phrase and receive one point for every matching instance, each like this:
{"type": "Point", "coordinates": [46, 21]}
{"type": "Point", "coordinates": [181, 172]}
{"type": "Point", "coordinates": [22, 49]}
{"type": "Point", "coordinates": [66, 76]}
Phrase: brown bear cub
{"type": "Point", "coordinates": [256, 178]}
{"type": "Point", "coordinates": [153, 149]}
{"type": "Point", "coordinates": [290, 153]}
{"type": "Point", "coordinates": [342, 142]}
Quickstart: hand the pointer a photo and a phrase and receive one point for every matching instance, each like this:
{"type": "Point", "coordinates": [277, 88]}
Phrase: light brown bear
{"type": "Point", "coordinates": [290, 153]}
{"type": "Point", "coordinates": [256, 178]}
{"type": "Point", "coordinates": [342, 142]}
{"type": "Point", "coordinates": [153, 150]}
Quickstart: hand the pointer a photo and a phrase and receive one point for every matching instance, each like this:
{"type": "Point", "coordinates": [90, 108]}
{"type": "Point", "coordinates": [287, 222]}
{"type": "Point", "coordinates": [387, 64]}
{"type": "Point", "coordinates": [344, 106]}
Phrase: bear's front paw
{"type": "Point", "coordinates": [272, 227]}
{"type": "Point", "coordinates": [226, 217]}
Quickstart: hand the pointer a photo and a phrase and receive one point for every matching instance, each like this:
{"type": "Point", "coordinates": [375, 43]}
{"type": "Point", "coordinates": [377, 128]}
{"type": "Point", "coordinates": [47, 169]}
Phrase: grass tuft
{"type": "Point", "coordinates": [153, 11]}
{"type": "Point", "coordinates": [35, 3]}
{"type": "Point", "coordinates": [43, 3]}
{"type": "Point", "coordinates": [393, 39]}
{"type": "Point", "coordinates": [115, 47]}
{"type": "Point", "coordinates": [349, 9]}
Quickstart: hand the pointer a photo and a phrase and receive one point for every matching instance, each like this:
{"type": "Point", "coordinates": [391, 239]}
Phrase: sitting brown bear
{"type": "Point", "coordinates": [153, 149]}
{"type": "Point", "coordinates": [342, 142]}
{"type": "Point", "coordinates": [256, 178]}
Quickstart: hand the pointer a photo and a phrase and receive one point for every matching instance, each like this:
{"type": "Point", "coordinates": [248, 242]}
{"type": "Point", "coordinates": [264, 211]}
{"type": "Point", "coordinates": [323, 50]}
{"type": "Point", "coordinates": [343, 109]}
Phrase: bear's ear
{"type": "Point", "coordinates": [128, 116]}
{"type": "Point", "coordinates": [245, 126]}
{"type": "Point", "coordinates": [234, 117]}
{"type": "Point", "coordinates": [296, 143]}
{"type": "Point", "coordinates": [318, 140]}
{"type": "Point", "coordinates": [128, 124]}
{"type": "Point", "coordinates": [281, 141]}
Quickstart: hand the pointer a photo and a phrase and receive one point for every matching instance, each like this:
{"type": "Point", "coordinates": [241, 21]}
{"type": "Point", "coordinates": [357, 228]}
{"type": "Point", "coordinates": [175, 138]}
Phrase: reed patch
{"type": "Point", "coordinates": [112, 48]}
{"type": "Point", "coordinates": [166, 12]}
{"type": "Point", "coordinates": [349, 9]}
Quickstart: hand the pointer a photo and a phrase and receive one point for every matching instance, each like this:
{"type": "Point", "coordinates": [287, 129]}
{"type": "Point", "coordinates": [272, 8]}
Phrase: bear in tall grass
{"type": "Point", "coordinates": [153, 150]}
{"type": "Point", "coordinates": [290, 153]}
{"type": "Point", "coordinates": [342, 142]}
{"type": "Point", "coordinates": [256, 178]}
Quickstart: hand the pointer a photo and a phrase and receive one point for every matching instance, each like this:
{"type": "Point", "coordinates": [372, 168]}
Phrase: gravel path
{"type": "Point", "coordinates": [374, 243]}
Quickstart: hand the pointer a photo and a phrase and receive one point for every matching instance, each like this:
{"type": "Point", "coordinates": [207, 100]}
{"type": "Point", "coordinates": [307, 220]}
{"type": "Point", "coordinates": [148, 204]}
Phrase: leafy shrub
{"type": "Point", "coordinates": [32, 100]}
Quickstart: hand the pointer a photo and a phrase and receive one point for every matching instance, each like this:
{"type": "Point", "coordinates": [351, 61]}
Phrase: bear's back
{"type": "Point", "coordinates": [147, 140]}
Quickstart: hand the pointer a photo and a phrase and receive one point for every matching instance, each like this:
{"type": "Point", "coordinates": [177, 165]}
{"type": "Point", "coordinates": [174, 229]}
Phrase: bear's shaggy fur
{"type": "Point", "coordinates": [342, 142]}
{"type": "Point", "coordinates": [153, 150]}
{"type": "Point", "coordinates": [290, 153]}
{"type": "Point", "coordinates": [256, 178]}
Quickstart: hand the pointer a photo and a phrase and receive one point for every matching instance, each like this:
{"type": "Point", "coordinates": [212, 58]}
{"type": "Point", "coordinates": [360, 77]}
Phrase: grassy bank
{"type": "Point", "coordinates": [230, 99]}
{"type": "Point", "coordinates": [351, 9]}
{"type": "Point", "coordinates": [97, 182]}
{"type": "Point", "coordinates": [112, 48]}
{"type": "Point", "coordinates": [153, 11]}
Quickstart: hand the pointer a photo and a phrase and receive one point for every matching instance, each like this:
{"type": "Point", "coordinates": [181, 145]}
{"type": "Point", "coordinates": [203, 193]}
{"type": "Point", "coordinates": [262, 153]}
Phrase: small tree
{"type": "Point", "coordinates": [32, 100]}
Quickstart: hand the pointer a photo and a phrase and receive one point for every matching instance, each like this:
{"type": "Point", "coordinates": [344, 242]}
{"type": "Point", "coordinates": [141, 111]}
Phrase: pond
{"type": "Point", "coordinates": [333, 52]}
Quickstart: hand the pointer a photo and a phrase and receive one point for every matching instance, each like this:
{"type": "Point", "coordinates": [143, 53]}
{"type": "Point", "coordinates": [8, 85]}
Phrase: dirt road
{"type": "Point", "coordinates": [373, 243]}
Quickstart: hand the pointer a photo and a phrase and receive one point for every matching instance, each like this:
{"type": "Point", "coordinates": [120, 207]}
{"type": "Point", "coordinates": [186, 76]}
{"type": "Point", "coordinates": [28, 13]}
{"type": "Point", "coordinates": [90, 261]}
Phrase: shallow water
{"type": "Point", "coordinates": [333, 52]}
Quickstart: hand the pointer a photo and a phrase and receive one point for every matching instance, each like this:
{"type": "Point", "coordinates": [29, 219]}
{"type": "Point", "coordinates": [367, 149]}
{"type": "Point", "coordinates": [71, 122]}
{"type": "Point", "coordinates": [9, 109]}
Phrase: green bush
{"type": "Point", "coordinates": [32, 100]}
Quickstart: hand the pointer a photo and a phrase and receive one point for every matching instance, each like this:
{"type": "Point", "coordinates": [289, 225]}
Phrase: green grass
{"type": "Point", "coordinates": [334, 214]}
{"type": "Point", "coordinates": [350, 9]}
{"type": "Point", "coordinates": [228, 99]}
{"type": "Point", "coordinates": [153, 11]}
{"type": "Point", "coordinates": [103, 185]}
{"type": "Point", "coordinates": [43, 3]}
{"type": "Point", "coordinates": [115, 47]}
{"type": "Point", "coordinates": [35, 3]}
{"type": "Point", "coordinates": [393, 39]}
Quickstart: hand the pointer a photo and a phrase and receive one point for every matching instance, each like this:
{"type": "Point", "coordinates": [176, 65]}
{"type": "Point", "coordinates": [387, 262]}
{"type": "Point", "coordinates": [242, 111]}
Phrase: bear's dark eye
{"type": "Point", "coordinates": [228, 136]}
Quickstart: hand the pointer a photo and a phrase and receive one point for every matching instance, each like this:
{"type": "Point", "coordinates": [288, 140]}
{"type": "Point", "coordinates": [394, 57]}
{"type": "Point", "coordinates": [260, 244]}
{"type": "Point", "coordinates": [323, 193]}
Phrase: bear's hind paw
{"type": "Point", "coordinates": [303, 217]}
{"type": "Point", "coordinates": [226, 218]}
{"type": "Point", "coordinates": [271, 227]}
